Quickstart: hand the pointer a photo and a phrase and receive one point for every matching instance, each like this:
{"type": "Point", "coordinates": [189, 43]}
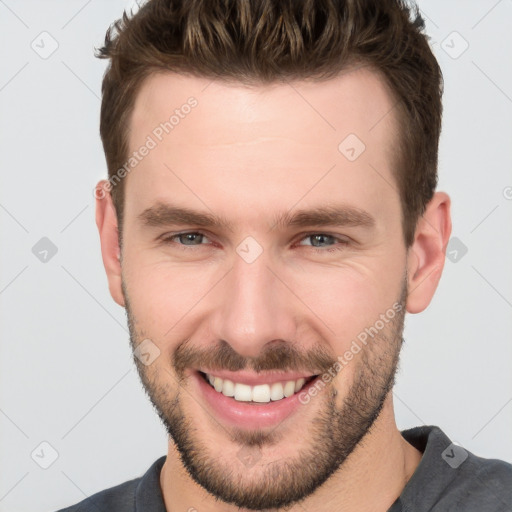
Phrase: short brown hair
{"type": "Point", "coordinates": [264, 41]}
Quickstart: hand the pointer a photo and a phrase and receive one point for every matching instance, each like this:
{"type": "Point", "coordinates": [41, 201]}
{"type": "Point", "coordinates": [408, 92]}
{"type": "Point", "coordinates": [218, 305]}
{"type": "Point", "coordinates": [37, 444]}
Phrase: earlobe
{"type": "Point", "coordinates": [426, 256]}
{"type": "Point", "coordinates": [106, 221]}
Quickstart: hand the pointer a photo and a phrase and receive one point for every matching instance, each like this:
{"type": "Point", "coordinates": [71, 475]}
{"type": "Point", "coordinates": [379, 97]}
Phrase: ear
{"type": "Point", "coordinates": [426, 256]}
{"type": "Point", "coordinates": [106, 220]}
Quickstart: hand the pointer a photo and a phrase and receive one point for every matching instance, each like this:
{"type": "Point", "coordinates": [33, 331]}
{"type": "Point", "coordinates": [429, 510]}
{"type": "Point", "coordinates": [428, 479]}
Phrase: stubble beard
{"type": "Point", "coordinates": [329, 438]}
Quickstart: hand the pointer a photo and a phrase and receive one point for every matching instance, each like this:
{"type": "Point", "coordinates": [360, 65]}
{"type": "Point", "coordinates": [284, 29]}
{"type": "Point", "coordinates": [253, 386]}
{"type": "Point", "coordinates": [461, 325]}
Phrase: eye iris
{"type": "Point", "coordinates": [321, 239]}
{"type": "Point", "coordinates": [190, 237]}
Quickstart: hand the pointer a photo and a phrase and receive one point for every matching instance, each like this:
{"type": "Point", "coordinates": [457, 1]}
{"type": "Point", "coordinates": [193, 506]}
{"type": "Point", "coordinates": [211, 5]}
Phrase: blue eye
{"type": "Point", "coordinates": [319, 242]}
{"type": "Point", "coordinates": [188, 239]}
{"type": "Point", "coordinates": [319, 238]}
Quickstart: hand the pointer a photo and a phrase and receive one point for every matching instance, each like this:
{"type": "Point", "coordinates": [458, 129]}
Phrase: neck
{"type": "Point", "coordinates": [371, 478]}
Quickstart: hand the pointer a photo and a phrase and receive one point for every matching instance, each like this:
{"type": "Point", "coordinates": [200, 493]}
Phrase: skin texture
{"type": "Point", "coordinates": [248, 154]}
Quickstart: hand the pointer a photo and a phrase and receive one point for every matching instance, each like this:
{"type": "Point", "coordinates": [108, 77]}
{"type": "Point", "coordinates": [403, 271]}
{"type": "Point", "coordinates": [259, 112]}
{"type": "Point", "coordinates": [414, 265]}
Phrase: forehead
{"type": "Point", "coordinates": [357, 100]}
{"type": "Point", "coordinates": [215, 138]}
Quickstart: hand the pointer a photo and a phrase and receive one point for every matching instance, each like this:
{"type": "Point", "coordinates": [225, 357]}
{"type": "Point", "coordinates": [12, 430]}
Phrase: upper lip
{"type": "Point", "coordinates": [253, 379]}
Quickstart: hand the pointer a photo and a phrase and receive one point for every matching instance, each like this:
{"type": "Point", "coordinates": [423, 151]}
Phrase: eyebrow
{"type": "Point", "coordinates": [164, 214]}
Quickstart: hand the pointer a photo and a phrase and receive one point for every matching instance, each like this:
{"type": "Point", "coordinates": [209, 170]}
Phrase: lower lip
{"type": "Point", "coordinates": [249, 414]}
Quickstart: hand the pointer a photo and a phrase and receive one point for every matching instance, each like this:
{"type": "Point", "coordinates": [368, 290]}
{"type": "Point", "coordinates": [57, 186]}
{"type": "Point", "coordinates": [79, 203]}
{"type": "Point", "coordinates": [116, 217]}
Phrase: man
{"type": "Point", "coordinates": [270, 216]}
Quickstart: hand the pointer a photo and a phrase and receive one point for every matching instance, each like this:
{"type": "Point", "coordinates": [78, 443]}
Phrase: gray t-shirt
{"type": "Point", "coordinates": [447, 479]}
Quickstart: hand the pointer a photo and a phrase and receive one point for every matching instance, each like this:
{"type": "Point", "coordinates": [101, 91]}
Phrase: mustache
{"type": "Point", "coordinates": [280, 355]}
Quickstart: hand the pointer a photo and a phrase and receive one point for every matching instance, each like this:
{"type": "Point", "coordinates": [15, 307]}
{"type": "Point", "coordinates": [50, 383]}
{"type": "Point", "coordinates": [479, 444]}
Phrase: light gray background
{"type": "Point", "coordinates": [66, 372]}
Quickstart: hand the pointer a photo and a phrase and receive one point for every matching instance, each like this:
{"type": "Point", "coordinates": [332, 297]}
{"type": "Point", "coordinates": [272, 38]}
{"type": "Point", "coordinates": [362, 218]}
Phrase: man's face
{"type": "Point", "coordinates": [273, 293]}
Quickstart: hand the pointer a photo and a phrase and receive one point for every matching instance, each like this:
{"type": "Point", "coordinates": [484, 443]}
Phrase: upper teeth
{"type": "Point", "coordinates": [260, 393]}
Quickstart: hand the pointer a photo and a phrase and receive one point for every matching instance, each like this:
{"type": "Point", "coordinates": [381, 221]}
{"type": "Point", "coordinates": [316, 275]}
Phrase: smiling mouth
{"type": "Point", "coordinates": [258, 394]}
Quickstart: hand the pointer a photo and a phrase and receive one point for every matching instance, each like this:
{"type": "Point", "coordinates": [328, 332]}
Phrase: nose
{"type": "Point", "coordinates": [255, 307]}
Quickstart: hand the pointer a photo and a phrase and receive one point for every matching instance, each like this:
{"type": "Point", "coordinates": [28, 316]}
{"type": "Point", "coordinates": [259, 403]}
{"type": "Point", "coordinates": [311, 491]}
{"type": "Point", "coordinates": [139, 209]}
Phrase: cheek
{"type": "Point", "coordinates": [345, 300]}
{"type": "Point", "coordinates": [170, 300]}
{"type": "Point", "coordinates": [162, 294]}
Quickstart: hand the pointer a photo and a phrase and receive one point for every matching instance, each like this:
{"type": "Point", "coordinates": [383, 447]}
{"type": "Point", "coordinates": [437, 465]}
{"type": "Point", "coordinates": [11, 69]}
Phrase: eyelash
{"type": "Point", "coordinates": [168, 239]}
